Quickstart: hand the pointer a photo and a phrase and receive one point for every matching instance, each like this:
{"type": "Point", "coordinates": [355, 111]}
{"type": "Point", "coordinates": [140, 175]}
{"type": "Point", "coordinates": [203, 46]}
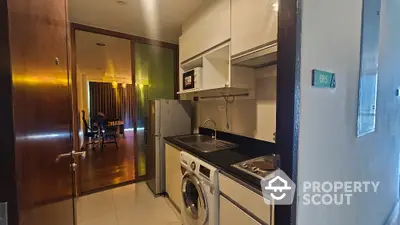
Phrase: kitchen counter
{"type": "Point", "coordinates": [247, 149]}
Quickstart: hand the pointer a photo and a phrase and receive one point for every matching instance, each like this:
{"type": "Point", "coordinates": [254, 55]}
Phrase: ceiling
{"type": "Point", "coordinates": [108, 63]}
{"type": "Point", "coordinates": [154, 19]}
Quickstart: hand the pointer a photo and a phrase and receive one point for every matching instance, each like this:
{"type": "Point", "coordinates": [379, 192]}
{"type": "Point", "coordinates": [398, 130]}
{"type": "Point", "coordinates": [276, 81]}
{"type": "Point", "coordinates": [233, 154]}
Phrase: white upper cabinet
{"type": "Point", "coordinates": [218, 73]}
{"type": "Point", "coordinates": [253, 24]}
{"type": "Point", "coordinates": [205, 29]}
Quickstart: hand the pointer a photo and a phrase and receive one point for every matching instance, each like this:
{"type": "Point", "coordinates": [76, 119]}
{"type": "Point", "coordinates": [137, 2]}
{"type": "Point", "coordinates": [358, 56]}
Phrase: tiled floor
{"type": "Point", "coordinates": [128, 205]}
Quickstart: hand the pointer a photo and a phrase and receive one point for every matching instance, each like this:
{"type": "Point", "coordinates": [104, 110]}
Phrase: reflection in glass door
{"type": "Point", "coordinates": [154, 79]}
{"type": "Point", "coordinates": [105, 98]}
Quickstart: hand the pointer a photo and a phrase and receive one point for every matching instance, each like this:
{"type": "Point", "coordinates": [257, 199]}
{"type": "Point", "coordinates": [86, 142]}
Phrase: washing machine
{"type": "Point", "coordinates": [200, 193]}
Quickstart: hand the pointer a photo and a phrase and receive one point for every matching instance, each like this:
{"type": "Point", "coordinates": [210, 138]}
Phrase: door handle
{"type": "Point", "coordinates": [69, 154]}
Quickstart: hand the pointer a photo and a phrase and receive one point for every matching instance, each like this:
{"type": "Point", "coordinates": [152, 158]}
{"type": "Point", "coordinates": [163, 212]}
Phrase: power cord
{"type": "Point", "coordinates": [226, 107]}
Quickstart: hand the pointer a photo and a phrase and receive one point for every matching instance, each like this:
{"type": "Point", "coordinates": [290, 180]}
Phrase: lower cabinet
{"type": "Point", "coordinates": [234, 194]}
{"type": "Point", "coordinates": [173, 174]}
{"type": "Point", "coordinates": [230, 214]}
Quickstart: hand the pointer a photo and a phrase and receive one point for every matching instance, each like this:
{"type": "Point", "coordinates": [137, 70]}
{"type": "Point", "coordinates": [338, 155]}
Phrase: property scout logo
{"type": "Point", "coordinates": [279, 189]}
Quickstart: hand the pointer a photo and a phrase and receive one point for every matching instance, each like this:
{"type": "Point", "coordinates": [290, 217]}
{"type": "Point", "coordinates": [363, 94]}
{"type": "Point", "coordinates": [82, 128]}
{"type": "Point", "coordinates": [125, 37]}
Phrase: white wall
{"type": "Point", "coordinates": [255, 118]}
{"type": "Point", "coordinates": [328, 147]}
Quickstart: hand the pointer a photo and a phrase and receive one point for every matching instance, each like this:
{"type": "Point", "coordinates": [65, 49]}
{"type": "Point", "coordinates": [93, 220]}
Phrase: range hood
{"type": "Point", "coordinates": [257, 58]}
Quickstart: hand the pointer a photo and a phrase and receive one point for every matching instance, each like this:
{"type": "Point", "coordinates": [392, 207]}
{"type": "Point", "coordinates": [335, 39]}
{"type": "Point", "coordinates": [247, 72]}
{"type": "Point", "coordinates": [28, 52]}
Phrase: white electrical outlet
{"type": "Point", "coordinates": [221, 108]}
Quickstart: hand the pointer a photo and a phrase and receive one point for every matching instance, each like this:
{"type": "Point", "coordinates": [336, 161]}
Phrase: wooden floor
{"type": "Point", "coordinates": [110, 167]}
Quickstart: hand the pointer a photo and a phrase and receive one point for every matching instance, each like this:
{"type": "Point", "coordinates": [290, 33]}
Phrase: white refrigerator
{"type": "Point", "coordinates": [164, 118]}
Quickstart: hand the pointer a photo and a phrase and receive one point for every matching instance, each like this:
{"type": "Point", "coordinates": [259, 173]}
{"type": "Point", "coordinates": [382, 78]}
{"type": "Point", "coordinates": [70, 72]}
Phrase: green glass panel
{"type": "Point", "coordinates": [154, 79]}
{"type": "Point", "coordinates": [154, 76]}
{"type": "Point", "coordinates": [154, 66]}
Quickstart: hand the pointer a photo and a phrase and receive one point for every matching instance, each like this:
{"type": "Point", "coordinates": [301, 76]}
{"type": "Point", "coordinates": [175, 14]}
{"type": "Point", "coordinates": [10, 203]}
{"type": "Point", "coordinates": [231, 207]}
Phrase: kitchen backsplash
{"type": "Point", "coordinates": [255, 118]}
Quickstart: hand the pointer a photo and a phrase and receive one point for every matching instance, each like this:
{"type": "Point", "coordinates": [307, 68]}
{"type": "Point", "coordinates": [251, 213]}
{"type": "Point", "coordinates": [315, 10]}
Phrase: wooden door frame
{"type": "Point", "coordinates": [133, 40]}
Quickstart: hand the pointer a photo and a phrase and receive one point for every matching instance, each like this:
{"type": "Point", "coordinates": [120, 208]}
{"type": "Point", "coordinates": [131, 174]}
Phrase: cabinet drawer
{"type": "Point", "coordinates": [243, 196]}
{"type": "Point", "coordinates": [231, 214]}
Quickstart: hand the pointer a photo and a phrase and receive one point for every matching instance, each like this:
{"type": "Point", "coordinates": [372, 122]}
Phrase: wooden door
{"type": "Point", "coordinates": [42, 111]}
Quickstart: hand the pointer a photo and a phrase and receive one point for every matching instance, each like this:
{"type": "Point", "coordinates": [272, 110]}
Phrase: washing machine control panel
{"type": "Point", "coordinates": [193, 166]}
{"type": "Point", "coordinates": [205, 171]}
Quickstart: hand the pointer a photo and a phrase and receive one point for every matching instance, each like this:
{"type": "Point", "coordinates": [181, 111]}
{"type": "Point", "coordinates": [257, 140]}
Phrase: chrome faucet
{"type": "Point", "coordinates": [214, 136]}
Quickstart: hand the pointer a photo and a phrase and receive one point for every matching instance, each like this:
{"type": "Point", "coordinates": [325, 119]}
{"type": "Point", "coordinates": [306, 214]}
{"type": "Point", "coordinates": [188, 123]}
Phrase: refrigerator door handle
{"type": "Point", "coordinates": [145, 131]}
{"type": "Point", "coordinates": [145, 123]}
{"type": "Point", "coordinates": [145, 137]}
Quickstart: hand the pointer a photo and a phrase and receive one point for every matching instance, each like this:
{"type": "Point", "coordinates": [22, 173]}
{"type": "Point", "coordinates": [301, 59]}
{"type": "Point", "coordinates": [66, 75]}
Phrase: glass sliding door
{"type": "Point", "coordinates": [154, 79]}
{"type": "Point", "coordinates": [105, 101]}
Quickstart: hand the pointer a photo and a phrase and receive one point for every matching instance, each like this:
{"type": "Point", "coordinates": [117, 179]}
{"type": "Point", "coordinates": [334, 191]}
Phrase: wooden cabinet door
{"type": "Point", "coordinates": [231, 214]}
{"type": "Point", "coordinates": [253, 24]}
{"type": "Point", "coordinates": [173, 174]}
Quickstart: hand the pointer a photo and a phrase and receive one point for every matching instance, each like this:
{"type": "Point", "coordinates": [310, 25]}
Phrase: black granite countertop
{"type": "Point", "coordinates": [247, 148]}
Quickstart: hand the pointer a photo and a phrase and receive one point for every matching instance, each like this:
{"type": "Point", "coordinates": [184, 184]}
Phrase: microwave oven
{"type": "Point", "coordinates": [192, 79]}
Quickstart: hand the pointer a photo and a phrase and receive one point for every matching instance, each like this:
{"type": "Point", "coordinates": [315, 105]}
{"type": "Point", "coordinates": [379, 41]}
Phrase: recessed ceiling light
{"type": "Point", "coordinates": [100, 44]}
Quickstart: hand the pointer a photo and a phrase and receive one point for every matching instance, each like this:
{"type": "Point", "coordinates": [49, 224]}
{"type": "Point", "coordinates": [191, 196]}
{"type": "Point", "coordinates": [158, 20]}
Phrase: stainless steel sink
{"type": "Point", "coordinates": [204, 143]}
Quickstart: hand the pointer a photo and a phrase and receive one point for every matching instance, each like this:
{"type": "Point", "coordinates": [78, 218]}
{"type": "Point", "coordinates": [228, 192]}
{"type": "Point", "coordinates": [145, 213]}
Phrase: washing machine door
{"type": "Point", "coordinates": [194, 207]}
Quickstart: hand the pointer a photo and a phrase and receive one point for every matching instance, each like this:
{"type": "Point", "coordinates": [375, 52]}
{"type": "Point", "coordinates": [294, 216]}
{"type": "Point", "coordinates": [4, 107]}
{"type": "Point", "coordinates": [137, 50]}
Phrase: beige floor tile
{"type": "Point", "coordinates": [132, 197]}
{"type": "Point", "coordinates": [105, 219]}
{"type": "Point", "coordinates": [164, 210]}
{"type": "Point", "coordinates": [137, 205]}
{"type": "Point", "coordinates": [94, 205]}
{"type": "Point", "coordinates": [139, 216]}
{"type": "Point", "coordinates": [156, 214]}
{"type": "Point", "coordinates": [127, 205]}
{"type": "Point", "coordinates": [176, 212]}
